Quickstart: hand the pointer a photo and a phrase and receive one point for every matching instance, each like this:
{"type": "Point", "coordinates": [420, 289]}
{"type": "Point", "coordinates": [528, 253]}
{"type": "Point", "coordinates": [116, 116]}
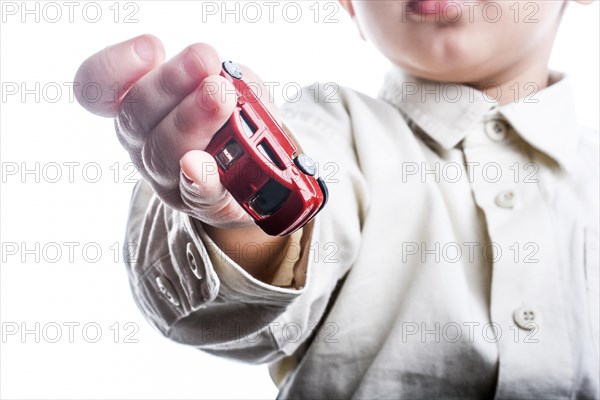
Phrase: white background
{"type": "Point", "coordinates": [85, 288]}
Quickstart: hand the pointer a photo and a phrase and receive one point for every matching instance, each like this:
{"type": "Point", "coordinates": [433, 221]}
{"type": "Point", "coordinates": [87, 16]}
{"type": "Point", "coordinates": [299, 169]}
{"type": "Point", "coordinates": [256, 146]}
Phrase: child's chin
{"type": "Point", "coordinates": [460, 72]}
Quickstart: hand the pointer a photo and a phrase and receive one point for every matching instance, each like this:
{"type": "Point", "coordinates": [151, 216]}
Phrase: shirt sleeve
{"type": "Point", "coordinates": [193, 293]}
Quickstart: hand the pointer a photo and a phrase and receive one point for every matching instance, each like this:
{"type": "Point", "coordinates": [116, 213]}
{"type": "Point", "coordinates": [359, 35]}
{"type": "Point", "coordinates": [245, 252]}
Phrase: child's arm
{"type": "Point", "coordinates": [250, 305]}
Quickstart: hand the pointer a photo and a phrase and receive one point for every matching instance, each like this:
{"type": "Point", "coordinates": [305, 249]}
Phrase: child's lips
{"type": "Point", "coordinates": [444, 11]}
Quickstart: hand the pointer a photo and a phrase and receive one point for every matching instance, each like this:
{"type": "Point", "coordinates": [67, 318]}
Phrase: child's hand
{"type": "Point", "coordinates": [167, 118]}
{"type": "Point", "coordinates": [165, 121]}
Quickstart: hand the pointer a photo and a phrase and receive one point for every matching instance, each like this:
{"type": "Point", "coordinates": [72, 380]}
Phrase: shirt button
{"type": "Point", "coordinates": [496, 129]}
{"type": "Point", "coordinates": [165, 287]}
{"type": "Point", "coordinates": [506, 199]}
{"type": "Point", "coordinates": [527, 318]}
{"type": "Point", "coordinates": [193, 261]}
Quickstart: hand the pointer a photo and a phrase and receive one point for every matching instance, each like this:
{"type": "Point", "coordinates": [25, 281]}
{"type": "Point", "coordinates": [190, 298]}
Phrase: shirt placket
{"type": "Point", "coordinates": [527, 309]}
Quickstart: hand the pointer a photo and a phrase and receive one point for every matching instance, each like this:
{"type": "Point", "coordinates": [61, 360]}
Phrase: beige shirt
{"type": "Point", "coordinates": [457, 257]}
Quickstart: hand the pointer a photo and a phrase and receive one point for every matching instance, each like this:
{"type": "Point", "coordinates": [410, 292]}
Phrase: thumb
{"type": "Point", "coordinates": [204, 194]}
{"type": "Point", "coordinates": [201, 174]}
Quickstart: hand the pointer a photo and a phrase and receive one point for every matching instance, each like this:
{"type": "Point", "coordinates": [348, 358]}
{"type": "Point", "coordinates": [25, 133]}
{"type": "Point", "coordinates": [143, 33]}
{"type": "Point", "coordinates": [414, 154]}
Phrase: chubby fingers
{"type": "Point", "coordinates": [103, 79]}
{"type": "Point", "coordinates": [161, 90]}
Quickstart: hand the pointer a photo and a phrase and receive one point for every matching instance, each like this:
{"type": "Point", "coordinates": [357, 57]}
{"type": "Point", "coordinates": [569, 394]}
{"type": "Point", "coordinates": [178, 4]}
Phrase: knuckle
{"type": "Point", "coordinates": [165, 82]}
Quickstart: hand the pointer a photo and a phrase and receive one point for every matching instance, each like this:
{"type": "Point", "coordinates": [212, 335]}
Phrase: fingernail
{"type": "Point", "coordinates": [144, 49]}
{"type": "Point", "coordinates": [185, 175]}
{"type": "Point", "coordinates": [188, 183]}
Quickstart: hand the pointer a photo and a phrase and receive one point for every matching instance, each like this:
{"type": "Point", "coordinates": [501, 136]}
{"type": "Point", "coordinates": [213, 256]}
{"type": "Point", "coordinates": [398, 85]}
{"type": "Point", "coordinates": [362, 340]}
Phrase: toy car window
{"type": "Point", "coordinates": [228, 154]}
{"type": "Point", "coordinates": [247, 125]}
{"type": "Point", "coordinates": [269, 198]}
{"type": "Point", "coordinates": [268, 152]}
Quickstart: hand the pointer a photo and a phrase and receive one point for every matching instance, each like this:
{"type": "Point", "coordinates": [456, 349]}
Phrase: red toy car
{"type": "Point", "coordinates": [259, 166]}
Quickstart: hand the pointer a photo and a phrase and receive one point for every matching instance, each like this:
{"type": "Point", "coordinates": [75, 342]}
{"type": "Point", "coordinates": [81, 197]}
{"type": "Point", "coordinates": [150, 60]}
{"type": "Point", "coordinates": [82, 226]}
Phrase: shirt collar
{"type": "Point", "coordinates": [446, 111]}
{"type": "Point", "coordinates": [547, 120]}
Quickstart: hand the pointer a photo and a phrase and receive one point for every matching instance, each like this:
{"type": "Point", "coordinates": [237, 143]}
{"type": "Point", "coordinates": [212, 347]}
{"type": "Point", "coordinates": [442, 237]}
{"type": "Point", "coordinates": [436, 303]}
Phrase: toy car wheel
{"type": "Point", "coordinates": [232, 69]}
{"type": "Point", "coordinates": [305, 164]}
{"type": "Point", "coordinates": [325, 191]}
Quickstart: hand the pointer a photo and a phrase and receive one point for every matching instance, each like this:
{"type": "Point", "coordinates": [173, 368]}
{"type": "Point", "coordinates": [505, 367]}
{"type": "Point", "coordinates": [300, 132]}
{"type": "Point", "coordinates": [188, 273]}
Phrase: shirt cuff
{"type": "Point", "coordinates": [289, 279]}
